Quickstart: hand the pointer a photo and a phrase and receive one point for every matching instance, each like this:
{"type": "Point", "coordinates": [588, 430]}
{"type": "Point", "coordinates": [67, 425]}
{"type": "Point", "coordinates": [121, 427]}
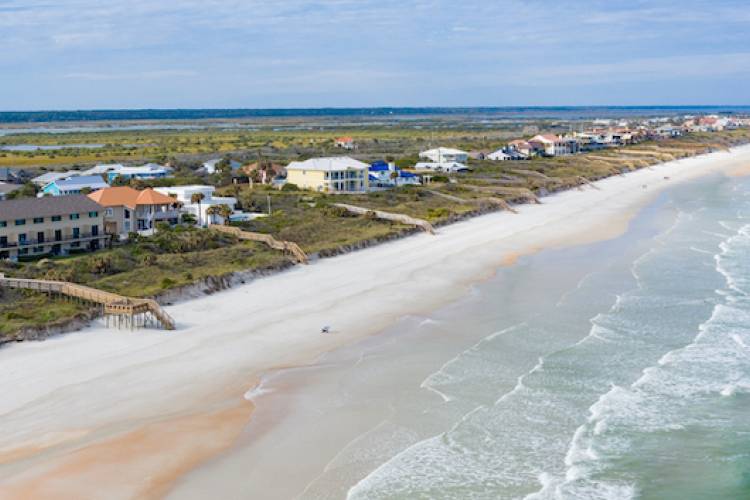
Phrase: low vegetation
{"type": "Point", "coordinates": [176, 257]}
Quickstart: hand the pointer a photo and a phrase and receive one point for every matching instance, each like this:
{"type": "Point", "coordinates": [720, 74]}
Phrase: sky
{"type": "Point", "coordinates": [106, 54]}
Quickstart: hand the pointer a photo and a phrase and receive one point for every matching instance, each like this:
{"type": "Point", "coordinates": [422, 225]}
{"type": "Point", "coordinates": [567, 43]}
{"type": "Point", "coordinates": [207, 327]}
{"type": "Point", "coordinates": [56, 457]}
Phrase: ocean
{"type": "Point", "coordinates": [510, 112]}
{"type": "Point", "coordinates": [613, 370]}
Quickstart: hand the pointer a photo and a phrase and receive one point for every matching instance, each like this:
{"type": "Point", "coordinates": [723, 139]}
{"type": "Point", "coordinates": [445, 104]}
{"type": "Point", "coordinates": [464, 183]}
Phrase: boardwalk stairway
{"type": "Point", "coordinates": [402, 218]}
{"type": "Point", "coordinates": [285, 246]}
{"type": "Point", "coordinates": [124, 311]}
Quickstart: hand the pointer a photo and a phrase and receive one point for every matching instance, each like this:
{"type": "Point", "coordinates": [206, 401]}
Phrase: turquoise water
{"type": "Point", "coordinates": [640, 382]}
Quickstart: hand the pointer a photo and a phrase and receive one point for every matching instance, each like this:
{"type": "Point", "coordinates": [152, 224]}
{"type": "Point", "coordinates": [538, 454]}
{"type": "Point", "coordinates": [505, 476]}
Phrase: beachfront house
{"type": "Point", "coordinates": [445, 166]}
{"type": "Point", "coordinates": [520, 147]}
{"type": "Point", "coordinates": [56, 225]}
{"type": "Point", "coordinates": [499, 155]}
{"type": "Point", "coordinates": [198, 199]}
{"type": "Point", "coordinates": [384, 175]}
{"type": "Point", "coordinates": [345, 143]}
{"type": "Point", "coordinates": [128, 210]}
{"type": "Point", "coordinates": [549, 145]}
{"type": "Point", "coordinates": [444, 155]}
{"type": "Point", "coordinates": [79, 184]}
{"type": "Point", "coordinates": [145, 172]}
{"type": "Point", "coordinates": [334, 175]}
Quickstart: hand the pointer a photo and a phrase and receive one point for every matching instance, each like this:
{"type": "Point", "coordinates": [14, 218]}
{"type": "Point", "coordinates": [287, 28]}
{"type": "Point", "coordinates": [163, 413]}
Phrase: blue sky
{"type": "Point", "coordinates": [83, 54]}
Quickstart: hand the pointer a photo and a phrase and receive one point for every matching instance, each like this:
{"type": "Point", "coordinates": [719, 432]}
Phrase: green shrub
{"type": "Point", "coordinates": [167, 283]}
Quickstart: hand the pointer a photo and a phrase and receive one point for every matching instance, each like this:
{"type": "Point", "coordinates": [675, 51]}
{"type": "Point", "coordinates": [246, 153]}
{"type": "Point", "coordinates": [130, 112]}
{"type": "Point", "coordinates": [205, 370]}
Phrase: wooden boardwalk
{"type": "Point", "coordinates": [118, 309]}
{"type": "Point", "coordinates": [285, 246]}
{"type": "Point", "coordinates": [402, 218]}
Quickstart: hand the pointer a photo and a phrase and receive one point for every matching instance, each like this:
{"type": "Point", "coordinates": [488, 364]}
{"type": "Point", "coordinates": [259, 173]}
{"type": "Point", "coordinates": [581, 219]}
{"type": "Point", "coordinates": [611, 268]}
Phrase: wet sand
{"type": "Point", "coordinates": [112, 414]}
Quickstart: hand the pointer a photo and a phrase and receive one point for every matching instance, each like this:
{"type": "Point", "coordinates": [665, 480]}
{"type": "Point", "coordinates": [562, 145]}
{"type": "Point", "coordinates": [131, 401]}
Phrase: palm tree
{"type": "Point", "coordinates": [198, 198]}
{"type": "Point", "coordinates": [394, 177]}
{"type": "Point", "coordinates": [212, 212]}
{"type": "Point", "coordinates": [224, 212]}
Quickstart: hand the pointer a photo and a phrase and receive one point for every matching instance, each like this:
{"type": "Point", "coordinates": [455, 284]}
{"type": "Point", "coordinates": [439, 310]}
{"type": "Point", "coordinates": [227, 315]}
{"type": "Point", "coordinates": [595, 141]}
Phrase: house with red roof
{"type": "Point", "coordinates": [345, 143]}
{"type": "Point", "coordinates": [127, 210]}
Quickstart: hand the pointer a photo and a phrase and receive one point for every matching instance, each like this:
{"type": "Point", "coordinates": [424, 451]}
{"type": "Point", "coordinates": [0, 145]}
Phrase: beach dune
{"type": "Point", "coordinates": [104, 413]}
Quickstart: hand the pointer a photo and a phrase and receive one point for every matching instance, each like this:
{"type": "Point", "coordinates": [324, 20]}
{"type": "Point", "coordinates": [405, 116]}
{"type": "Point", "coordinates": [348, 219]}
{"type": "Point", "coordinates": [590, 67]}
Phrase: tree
{"type": "Point", "coordinates": [197, 198]}
{"type": "Point", "coordinates": [225, 212]}
{"type": "Point", "coordinates": [394, 178]}
{"type": "Point", "coordinates": [212, 212]}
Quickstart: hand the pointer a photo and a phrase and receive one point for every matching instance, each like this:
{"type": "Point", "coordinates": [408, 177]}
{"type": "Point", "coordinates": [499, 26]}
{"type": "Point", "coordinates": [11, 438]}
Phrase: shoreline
{"type": "Point", "coordinates": [281, 314]}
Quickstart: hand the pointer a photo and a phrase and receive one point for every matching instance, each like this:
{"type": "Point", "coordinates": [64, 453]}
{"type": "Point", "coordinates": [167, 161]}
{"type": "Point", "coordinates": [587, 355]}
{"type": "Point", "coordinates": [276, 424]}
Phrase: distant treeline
{"type": "Point", "coordinates": [558, 112]}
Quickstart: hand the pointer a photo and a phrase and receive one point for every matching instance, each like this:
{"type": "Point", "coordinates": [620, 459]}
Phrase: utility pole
{"type": "Point", "coordinates": [268, 198]}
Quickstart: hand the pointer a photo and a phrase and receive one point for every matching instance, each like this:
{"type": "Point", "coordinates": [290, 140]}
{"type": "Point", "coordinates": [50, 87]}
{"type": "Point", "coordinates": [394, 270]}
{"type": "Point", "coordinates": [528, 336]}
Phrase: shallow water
{"type": "Point", "coordinates": [615, 370]}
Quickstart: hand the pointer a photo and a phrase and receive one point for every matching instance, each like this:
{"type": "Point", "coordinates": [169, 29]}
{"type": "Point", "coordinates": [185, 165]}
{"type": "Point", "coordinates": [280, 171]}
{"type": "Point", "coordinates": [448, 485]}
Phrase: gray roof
{"type": "Point", "coordinates": [10, 174]}
{"type": "Point", "coordinates": [48, 206]}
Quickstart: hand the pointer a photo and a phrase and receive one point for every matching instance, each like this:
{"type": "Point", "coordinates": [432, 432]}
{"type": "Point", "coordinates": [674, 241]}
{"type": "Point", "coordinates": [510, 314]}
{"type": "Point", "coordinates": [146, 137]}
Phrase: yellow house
{"type": "Point", "coordinates": [330, 175]}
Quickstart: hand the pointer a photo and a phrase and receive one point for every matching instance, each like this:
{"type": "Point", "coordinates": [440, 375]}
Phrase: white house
{"type": "Point", "coordinates": [103, 168]}
{"type": "Point", "coordinates": [499, 155]}
{"type": "Point", "coordinates": [387, 175]}
{"type": "Point", "coordinates": [444, 155]}
{"type": "Point", "coordinates": [184, 194]}
{"type": "Point", "coordinates": [446, 166]}
{"type": "Point", "coordinates": [209, 167]}
{"type": "Point", "coordinates": [46, 178]}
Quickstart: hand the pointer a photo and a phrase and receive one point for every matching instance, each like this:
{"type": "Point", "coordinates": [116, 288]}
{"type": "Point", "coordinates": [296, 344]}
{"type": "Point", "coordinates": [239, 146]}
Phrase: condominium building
{"type": "Point", "coordinates": [53, 225]}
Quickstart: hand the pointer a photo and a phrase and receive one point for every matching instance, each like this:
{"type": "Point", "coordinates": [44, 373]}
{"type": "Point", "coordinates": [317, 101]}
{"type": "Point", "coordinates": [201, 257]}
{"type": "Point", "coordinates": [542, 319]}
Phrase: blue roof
{"type": "Point", "coordinates": [373, 178]}
{"type": "Point", "coordinates": [406, 174]}
{"type": "Point", "coordinates": [82, 181]}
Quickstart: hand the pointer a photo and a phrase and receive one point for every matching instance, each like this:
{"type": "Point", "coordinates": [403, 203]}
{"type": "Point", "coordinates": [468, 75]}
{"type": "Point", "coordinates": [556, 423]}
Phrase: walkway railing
{"type": "Point", "coordinates": [126, 311]}
{"type": "Point", "coordinates": [286, 246]}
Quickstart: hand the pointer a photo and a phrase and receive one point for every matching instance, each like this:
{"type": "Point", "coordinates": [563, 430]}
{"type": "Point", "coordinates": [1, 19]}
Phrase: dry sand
{"type": "Point", "coordinates": [118, 414]}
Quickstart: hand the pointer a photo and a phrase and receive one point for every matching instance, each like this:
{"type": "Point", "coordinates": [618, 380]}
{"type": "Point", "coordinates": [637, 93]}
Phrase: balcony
{"type": "Point", "coordinates": [36, 243]}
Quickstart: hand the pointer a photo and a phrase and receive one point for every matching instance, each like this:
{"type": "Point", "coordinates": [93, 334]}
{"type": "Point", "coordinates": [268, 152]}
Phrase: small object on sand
{"type": "Point", "coordinates": [325, 329]}
{"type": "Point", "coordinates": [666, 178]}
{"type": "Point", "coordinates": [645, 186]}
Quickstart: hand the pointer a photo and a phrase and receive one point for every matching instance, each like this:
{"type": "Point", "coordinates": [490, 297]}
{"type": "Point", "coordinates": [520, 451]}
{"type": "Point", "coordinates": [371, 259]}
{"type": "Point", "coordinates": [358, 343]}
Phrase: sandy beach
{"type": "Point", "coordinates": [104, 413]}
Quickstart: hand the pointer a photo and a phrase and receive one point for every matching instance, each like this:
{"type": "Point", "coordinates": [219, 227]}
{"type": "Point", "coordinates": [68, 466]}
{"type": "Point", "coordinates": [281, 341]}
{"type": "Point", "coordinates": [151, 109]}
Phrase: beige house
{"type": "Point", "coordinates": [128, 210]}
{"type": "Point", "coordinates": [56, 225]}
{"type": "Point", "coordinates": [329, 175]}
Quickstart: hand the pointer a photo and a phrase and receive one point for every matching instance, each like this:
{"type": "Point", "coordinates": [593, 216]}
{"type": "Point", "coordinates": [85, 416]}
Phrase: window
{"type": "Point", "coordinates": [38, 220]}
{"type": "Point", "coordinates": [76, 233]}
{"type": "Point", "coordinates": [23, 251]}
{"type": "Point", "coordinates": [38, 249]}
{"type": "Point", "coordinates": [20, 222]}
{"type": "Point", "coordinates": [93, 214]}
{"type": "Point", "coordinates": [109, 212]}
{"type": "Point", "coordinates": [56, 218]}
{"type": "Point", "coordinates": [75, 216]}
{"type": "Point", "coordinates": [3, 223]}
